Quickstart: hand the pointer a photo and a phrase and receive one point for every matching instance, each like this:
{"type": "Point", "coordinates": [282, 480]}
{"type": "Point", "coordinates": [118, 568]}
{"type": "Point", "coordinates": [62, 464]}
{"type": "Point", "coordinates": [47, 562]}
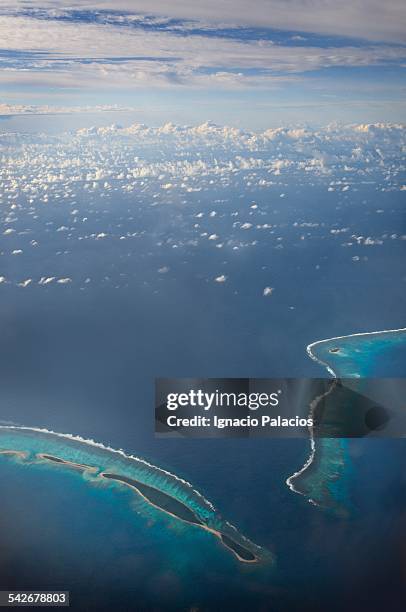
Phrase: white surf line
{"type": "Point", "coordinates": [102, 446]}
{"type": "Point", "coordinates": [313, 405]}
{"type": "Point", "coordinates": [309, 348]}
{"type": "Point", "coordinates": [315, 402]}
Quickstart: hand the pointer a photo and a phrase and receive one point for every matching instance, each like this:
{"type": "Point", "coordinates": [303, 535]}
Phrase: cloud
{"type": "Point", "coordinates": [105, 183]}
{"type": "Point", "coordinates": [370, 19]}
{"type": "Point", "coordinates": [25, 283]}
{"type": "Point", "coordinates": [62, 53]}
{"type": "Point", "coordinates": [33, 109]}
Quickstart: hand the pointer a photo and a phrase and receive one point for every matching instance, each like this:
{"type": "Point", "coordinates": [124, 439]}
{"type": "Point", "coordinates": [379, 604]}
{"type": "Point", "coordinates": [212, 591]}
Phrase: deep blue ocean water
{"type": "Point", "coordinates": [58, 532]}
{"type": "Point", "coordinates": [82, 359]}
{"type": "Point", "coordinates": [114, 552]}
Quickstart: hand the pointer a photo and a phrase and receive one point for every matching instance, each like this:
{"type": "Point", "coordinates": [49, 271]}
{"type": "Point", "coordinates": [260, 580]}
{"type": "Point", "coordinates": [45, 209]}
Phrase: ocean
{"type": "Point", "coordinates": [81, 357]}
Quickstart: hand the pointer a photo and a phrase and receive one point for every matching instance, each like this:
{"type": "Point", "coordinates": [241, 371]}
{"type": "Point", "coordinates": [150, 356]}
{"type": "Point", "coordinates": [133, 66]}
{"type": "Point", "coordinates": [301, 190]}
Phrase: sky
{"type": "Point", "coordinates": [253, 65]}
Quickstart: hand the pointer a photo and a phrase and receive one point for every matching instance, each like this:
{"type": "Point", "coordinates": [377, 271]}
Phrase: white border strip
{"type": "Point", "coordinates": [313, 405]}
{"type": "Point", "coordinates": [326, 365]}
{"type": "Point", "coordinates": [100, 445]}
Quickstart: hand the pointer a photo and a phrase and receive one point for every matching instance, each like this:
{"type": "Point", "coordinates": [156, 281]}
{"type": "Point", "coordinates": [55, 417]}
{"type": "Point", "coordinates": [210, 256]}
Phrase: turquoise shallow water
{"type": "Point", "coordinates": [363, 355]}
{"type": "Point", "coordinates": [174, 496]}
{"type": "Point", "coordinates": [107, 546]}
{"type": "Point", "coordinates": [81, 357]}
{"type": "Point", "coordinates": [105, 543]}
{"type": "Point", "coordinates": [327, 478]}
{"type": "Point", "coordinates": [66, 528]}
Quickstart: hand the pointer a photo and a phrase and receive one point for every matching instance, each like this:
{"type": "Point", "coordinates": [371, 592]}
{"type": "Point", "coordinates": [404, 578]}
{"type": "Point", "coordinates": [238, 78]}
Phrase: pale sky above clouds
{"type": "Point", "coordinates": [235, 57]}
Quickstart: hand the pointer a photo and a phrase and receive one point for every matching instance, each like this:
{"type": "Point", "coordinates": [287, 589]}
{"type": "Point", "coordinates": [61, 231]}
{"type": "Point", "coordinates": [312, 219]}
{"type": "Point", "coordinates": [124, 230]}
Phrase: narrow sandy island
{"type": "Point", "coordinates": [167, 493]}
{"type": "Point", "coordinates": [14, 453]}
{"type": "Point", "coordinates": [175, 508]}
{"type": "Point", "coordinates": [75, 466]}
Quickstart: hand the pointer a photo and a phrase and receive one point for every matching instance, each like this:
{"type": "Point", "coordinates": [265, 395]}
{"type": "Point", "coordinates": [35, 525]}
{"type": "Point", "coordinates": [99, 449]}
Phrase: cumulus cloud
{"type": "Point", "coordinates": [46, 280]}
{"type": "Point", "coordinates": [106, 185]}
{"type": "Point", "coordinates": [25, 283]}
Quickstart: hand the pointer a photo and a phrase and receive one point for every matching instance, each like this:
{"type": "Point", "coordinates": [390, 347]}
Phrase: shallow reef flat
{"type": "Point", "coordinates": [13, 453]}
{"type": "Point", "coordinates": [362, 354]}
{"type": "Point", "coordinates": [325, 477]}
{"type": "Point", "coordinates": [103, 465]}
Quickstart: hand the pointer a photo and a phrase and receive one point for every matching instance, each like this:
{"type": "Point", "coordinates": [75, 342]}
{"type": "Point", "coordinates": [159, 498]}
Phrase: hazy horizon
{"type": "Point", "coordinates": [273, 64]}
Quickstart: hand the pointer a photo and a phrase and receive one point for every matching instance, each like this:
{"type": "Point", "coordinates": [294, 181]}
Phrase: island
{"type": "Point", "coordinates": [105, 466]}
